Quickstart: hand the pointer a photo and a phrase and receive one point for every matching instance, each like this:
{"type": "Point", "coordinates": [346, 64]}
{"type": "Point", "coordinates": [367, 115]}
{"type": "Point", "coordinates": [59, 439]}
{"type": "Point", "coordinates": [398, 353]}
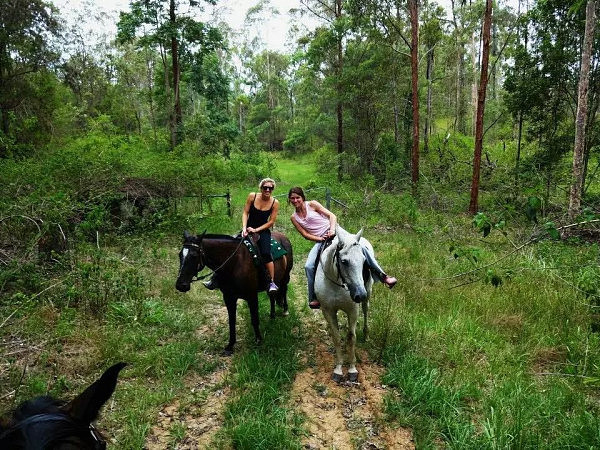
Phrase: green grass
{"type": "Point", "coordinates": [470, 364]}
{"type": "Point", "coordinates": [478, 366]}
{"type": "Point", "coordinates": [257, 415]}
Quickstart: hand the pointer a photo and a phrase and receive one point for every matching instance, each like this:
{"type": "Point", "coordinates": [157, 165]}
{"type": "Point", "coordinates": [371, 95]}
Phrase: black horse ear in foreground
{"type": "Point", "coordinates": [86, 406]}
{"type": "Point", "coordinates": [42, 423]}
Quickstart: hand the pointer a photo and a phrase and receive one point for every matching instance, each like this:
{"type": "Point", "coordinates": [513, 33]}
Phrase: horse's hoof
{"type": "Point", "coordinates": [286, 313]}
{"type": "Point", "coordinates": [337, 377]}
{"type": "Point", "coordinates": [227, 352]}
{"type": "Point", "coordinates": [272, 316]}
{"type": "Point", "coordinates": [353, 377]}
{"type": "Point", "coordinates": [258, 341]}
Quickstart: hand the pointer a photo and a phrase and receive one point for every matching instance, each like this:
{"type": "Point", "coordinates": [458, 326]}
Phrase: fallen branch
{"type": "Point", "coordinates": [515, 250]}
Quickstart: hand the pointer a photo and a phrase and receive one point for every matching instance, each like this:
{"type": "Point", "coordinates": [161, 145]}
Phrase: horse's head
{"type": "Point", "coordinates": [191, 261]}
{"type": "Point", "coordinates": [43, 423]}
{"type": "Point", "coordinates": [350, 263]}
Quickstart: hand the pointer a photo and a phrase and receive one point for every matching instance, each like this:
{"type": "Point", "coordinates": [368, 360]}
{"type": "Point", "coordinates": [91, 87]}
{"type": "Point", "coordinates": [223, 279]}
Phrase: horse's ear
{"type": "Point", "coordinates": [358, 235]}
{"type": "Point", "coordinates": [85, 406]}
{"type": "Point", "coordinates": [186, 235]}
{"type": "Point", "coordinates": [202, 235]}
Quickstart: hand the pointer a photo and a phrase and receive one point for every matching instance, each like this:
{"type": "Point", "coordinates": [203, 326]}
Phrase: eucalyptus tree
{"type": "Point", "coordinates": [26, 27]}
{"type": "Point", "coordinates": [431, 36]}
{"type": "Point", "coordinates": [269, 76]}
{"type": "Point", "coordinates": [481, 95]}
{"type": "Point", "coordinates": [326, 53]}
{"type": "Point", "coordinates": [389, 22]}
{"type": "Point", "coordinates": [543, 82]}
{"type": "Point", "coordinates": [464, 21]}
{"type": "Point", "coordinates": [162, 25]}
{"type": "Point", "coordinates": [582, 111]}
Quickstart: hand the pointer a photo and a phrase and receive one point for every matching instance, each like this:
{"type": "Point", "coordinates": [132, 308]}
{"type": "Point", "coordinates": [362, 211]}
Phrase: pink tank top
{"type": "Point", "coordinates": [314, 222]}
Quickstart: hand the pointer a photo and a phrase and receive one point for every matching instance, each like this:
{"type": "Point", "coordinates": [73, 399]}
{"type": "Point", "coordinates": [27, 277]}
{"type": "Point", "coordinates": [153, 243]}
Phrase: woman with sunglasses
{"type": "Point", "coordinates": [316, 223]}
{"type": "Point", "coordinates": [260, 213]}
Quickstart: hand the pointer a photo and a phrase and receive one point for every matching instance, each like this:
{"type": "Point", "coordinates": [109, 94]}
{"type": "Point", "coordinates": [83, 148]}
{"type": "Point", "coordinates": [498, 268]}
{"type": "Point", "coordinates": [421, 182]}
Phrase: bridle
{"type": "Point", "coordinates": [99, 442]}
{"type": "Point", "coordinates": [336, 257]}
{"type": "Point", "coordinates": [202, 259]}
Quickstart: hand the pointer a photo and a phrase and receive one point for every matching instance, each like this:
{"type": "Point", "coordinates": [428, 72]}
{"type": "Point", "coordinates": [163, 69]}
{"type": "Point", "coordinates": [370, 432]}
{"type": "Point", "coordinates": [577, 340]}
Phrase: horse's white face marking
{"type": "Point", "coordinates": [184, 254]}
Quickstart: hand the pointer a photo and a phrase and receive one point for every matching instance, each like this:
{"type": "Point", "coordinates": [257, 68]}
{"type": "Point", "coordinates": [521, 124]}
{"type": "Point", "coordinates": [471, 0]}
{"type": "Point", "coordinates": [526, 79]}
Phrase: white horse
{"type": "Point", "coordinates": [342, 282]}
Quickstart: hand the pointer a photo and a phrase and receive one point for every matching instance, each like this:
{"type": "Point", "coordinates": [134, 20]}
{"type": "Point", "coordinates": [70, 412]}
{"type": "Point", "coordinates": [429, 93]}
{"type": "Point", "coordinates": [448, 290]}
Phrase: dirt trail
{"type": "Point", "coordinates": [196, 422]}
{"type": "Point", "coordinates": [338, 416]}
{"type": "Point", "coordinates": [346, 415]}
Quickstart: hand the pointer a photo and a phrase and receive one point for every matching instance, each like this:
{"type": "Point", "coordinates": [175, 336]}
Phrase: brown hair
{"type": "Point", "coordinates": [298, 191]}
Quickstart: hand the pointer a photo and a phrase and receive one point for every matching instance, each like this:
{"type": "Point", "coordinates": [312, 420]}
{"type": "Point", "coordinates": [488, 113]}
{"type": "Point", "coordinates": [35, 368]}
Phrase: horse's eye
{"type": "Point", "coordinates": [345, 262]}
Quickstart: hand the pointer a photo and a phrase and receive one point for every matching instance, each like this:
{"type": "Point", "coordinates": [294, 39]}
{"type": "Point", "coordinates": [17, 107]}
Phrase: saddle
{"type": "Point", "coordinates": [277, 252]}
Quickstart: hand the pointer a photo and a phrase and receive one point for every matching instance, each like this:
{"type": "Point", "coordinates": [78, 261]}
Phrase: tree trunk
{"type": "Point", "coordinates": [177, 114]}
{"type": "Point", "coordinates": [485, 56]}
{"type": "Point", "coordinates": [339, 108]}
{"type": "Point", "coordinates": [428, 114]}
{"type": "Point", "coordinates": [414, 55]}
{"type": "Point", "coordinates": [518, 158]}
{"type": "Point", "coordinates": [582, 109]}
{"type": "Point", "coordinates": [474, 87]}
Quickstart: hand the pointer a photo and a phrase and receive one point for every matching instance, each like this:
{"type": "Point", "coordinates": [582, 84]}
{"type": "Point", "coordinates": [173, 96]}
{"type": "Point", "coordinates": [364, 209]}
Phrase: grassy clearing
{"type": "Point", "coordinates": [507, 356]}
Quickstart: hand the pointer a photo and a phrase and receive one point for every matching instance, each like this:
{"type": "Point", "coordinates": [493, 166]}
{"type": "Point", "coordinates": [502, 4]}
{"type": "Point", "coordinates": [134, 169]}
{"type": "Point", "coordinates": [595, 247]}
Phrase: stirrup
{"type": "Point", "coordinates": [210, 284]}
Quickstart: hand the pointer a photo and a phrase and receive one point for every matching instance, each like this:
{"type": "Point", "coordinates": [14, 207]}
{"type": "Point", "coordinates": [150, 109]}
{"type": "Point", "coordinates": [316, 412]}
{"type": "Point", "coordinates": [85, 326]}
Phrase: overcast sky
{"type": "Point", "coordinates": [274, 32]}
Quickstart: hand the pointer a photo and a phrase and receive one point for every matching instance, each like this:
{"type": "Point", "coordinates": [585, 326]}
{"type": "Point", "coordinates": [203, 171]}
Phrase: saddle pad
{"type": "Point", "coordinates": [277, 251]}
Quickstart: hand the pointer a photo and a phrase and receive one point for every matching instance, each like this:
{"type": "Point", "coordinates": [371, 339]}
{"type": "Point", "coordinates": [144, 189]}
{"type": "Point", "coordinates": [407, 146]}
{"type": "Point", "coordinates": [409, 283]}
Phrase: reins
{"type": "Point", "coordinates": [54, 417]}
{"type": "Point", "coordinates": [336, 257]}
{"type": "Point", "coordinates": [201, 248]}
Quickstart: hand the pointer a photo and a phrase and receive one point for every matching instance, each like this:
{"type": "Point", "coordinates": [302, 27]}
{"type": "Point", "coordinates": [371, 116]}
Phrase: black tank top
{"type": "Point", "coordinates": [258, 217]}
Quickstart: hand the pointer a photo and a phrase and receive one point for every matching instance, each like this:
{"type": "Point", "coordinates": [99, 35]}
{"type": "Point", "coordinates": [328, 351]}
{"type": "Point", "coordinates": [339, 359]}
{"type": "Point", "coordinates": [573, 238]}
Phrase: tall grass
{"type": "Point", "coordinates": [481, 366]}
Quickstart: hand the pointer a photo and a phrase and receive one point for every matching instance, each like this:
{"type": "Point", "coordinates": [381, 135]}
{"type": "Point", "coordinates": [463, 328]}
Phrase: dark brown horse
{"type": "Point", "coordinates": [45, 423]}
{"type": "Point", "coordinates": [236, 274]}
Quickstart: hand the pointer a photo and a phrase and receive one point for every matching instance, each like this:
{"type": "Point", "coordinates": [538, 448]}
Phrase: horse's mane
{"type": "Point", "coordinates": [39, 405]}
{"type": "Point", "coordinates": [50, 424]}
{"type": "Point", "coordinates": [225, 237]}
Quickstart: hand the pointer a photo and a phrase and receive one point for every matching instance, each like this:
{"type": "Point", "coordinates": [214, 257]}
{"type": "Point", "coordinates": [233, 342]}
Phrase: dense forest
{"type": "Point", "coordinates": [466, 139]}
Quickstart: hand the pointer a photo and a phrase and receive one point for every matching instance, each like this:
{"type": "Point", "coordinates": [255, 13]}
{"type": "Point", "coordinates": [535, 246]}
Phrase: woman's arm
{"type": "Point", "coordinates": [245, 213]}
{"type": "Point", "coordinates": [305, 234]}
{"type": "Point", "coordinates": [325, 212]}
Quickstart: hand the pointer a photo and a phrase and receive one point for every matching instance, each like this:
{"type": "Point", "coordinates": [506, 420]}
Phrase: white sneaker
{"type": "Point", "coordinates": [273, 287]}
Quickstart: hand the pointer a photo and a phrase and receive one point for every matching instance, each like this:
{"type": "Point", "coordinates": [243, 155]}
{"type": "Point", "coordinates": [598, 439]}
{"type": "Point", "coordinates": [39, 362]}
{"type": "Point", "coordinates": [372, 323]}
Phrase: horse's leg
{"type": "Point", "coordinates": [253, 306]}
{"type": "Point", "coordinates": [334, 330]}
{"type": "Point", "coordinates": [351, 346]}
{"type": "Point", "coordinates": [272, 297]}
{"type": "Point", "coordinates": [283, 299]}
{"type": "Point", "coordinates": [231, 304]}
{"type": "Point", "coordinates": [365, 310]}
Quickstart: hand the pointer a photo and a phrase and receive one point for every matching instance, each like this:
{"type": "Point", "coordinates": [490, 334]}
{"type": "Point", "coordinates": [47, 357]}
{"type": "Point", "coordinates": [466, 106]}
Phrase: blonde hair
{"type": "Point", "coordinates": [266, 180]}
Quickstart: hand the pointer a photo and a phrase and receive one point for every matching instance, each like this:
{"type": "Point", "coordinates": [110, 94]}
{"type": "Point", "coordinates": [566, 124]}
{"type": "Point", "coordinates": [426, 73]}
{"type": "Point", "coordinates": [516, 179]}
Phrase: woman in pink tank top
{"type": "Point", "coordinates": [316, 223]}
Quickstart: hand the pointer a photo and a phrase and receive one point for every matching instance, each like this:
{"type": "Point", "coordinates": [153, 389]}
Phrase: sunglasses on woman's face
{"type": "Point", "coordinates": [268, 188]}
